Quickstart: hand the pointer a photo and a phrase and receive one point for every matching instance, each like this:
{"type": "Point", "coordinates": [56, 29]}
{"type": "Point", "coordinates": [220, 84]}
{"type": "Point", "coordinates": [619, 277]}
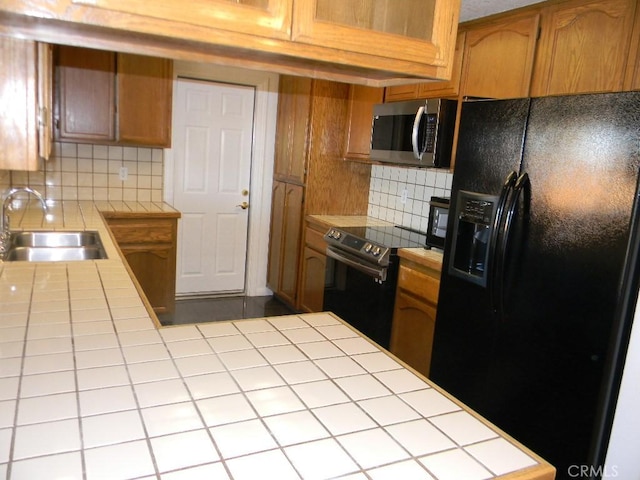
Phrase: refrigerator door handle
{"type": "Point", "coordinates": [415, 134]}
{"type": "Point", "coordinates": [518, 188]}
{"type": "Point", "coordinates": [509, 181]}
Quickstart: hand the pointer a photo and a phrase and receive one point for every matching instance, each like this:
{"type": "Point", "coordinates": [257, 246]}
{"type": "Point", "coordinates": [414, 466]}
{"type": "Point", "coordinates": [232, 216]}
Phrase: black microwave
{"type": "Point", "coordinates": [416, 133]}
{"type": "Point", "coordinates": [437, 224]}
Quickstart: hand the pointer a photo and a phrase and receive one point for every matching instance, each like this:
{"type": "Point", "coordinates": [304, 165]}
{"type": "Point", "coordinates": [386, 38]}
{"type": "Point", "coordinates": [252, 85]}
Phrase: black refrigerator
{"type": "Point", "coordinates": [540, 272]}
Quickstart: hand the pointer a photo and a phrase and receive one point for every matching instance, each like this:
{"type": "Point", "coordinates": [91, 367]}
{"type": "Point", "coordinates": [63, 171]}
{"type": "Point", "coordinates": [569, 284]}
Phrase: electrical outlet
{"type": "Point", "coordinates": [124, 173]}
{"type": "Point", "coordinates": [403, 198]}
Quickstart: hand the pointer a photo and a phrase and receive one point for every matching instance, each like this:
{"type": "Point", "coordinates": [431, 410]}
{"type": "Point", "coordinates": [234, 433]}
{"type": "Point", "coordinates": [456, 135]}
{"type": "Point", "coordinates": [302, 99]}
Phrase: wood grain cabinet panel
{"type": "Point", "coordinates": [85, 94]}
{"type": "Point", "coordinates": [18, 100]}
{"type": "Point", "coordinates": [312, 279]}
{"type": "Point", "coordinates": [284, 241]}
{"type": "Point", "coordinates": [144, 100]}
{"type": "Point", "coordinates": [584, 47]}
{"type": "Point", "coordinates": [499, 56]}
{"type": "Point", "coordinates": [448, 88]}
{"type": "Point", "coordinates": [632, 71]}
{"type": "Point", "coordinates": [370, 42]}
{"type": "Point", "coordinates": [359, 121]}
{"type": "Point", "coordinates": [414, 315]}
{"type": "Point", "coordinates": [409, 30]}
{"type": "Point", "coordinates": [104, 97]}
{"type": "Point", "coordinates": [294, 106]}
{"type": "Point", "coordinates": [149, 246]}
{"type": "Point", "coordinates": [25, 97]}
{"type": "Point", "coordinates": [312, 270]}
{"type": "Point", "coordinates": [270, 18]}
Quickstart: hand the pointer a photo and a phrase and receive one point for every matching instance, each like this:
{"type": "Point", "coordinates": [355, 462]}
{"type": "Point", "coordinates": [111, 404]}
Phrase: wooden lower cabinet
{"type": "Point", "coordinates": [149, 246]}
{"type": "Point", "coordinates": [284, 241]}
{"type": "Point", "coordinates": [312, 269]}
{"type": "Point", "coordinates": [414, 315]}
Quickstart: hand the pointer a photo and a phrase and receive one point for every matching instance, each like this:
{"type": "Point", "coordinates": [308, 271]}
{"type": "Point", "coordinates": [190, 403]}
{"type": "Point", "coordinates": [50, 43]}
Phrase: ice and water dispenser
{"type": "Point", "coordinates": [472, 234]}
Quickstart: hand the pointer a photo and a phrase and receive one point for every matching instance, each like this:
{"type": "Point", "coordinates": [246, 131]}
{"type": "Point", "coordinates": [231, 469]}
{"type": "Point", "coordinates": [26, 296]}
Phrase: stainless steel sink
{"type": "Point", "coordinates": [54, 246]}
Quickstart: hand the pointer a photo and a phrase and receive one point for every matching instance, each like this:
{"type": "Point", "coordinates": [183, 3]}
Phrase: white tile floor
{"type": "Point", "coordinates": [91, 389]}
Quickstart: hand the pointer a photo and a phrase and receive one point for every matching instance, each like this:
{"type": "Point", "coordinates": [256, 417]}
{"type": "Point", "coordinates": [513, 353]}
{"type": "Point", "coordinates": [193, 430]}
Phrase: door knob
{"type": "Point", "coordinates": [243, 205]}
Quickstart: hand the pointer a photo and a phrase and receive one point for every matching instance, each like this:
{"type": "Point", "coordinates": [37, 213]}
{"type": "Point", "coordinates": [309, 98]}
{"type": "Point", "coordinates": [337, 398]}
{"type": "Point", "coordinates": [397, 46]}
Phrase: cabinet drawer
{"type": "Point", "coordinates": [314, 239]}
{"type": "Point", "coordinates": [142, 231]}
{"type": "Point", "coordinates": [419, 283]}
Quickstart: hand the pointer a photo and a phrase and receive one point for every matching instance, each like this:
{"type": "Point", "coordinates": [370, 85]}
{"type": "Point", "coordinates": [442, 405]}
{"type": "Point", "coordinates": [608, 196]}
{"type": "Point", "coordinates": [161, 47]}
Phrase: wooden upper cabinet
{"type": "Point", "coordinates": [88, 101]}
{"type": "Point", "coordinates": [499, 56]}
{"type": "Point", "coordinates": [359, 121]}
{"type": "Point", "coordinates": [584, 47]}
{"type": "Point", "coordinates": [85, 94]}
{"type": "Point", "coordinates": [269, 18]}
{"type": "Point", "coordinates": [369, 42]}
{"type": "Point", "coordinates": [632, 72]}
{"type": "Point", "coordinates": [399, 30]}
{"type": "Point", "coordinates": [294, 106]}
{"type": "Point", "coordinates": [448, 88]}
{"type": "Point", "coordinates": [25, 96]}
{"type": "Point", "coordinates": [144, 92]}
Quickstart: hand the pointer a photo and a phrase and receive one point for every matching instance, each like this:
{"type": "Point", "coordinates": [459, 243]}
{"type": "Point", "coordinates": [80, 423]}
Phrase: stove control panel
{"type": "Point", "coordinates": [354, 244]}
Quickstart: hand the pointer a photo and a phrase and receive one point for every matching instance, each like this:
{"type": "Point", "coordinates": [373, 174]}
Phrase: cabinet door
{"type": "Point", "coordinates": [149, 245]}
{"type": "Point", "coordinates": [498, 58]}
{"type": "Point", "coordinates": [270, 18]}
{"type": "Point", "coordinates": [632, 72]}
{"type": "Point", "coordinates": [412, 30]}
{"type": "Point", "coordinates": [284, 240]}
{"type": "Point", "coordinates": [291, 243]}
{"type": "Point", "coordinates": [414, 322]}
{"type": "Point", "coordinates": [312, 280]}
{"type": "Point", "coordinates": [144, 100]}
{"type": "Point", "coordinates": [18, 120]}
{"type": "Point", "coordinates": [584, 47]}
{"type": "Point", "coordinates": [451, 87]}
{"type": "Point", "coordinates": [153, 266]}
{"type": "Point", "coordinates": [294, 105]}
{"type": "Point", "coordinates": [276, 235]}
{"type": "Point", "coordinates": [85, 94]}
{"type": "Point", "coordinates": [447, 88]}
{"type": "Point", "coordinates": [397, 93]}
{"type": "Point", "coordinates": [45, 99]}
{"type": "Point", "coordinates": [359, 121]}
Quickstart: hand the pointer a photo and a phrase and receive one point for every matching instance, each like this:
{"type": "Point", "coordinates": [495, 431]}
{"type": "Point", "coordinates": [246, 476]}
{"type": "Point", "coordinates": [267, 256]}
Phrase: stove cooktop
{"type": "Point", "coordinates": [391, 237]}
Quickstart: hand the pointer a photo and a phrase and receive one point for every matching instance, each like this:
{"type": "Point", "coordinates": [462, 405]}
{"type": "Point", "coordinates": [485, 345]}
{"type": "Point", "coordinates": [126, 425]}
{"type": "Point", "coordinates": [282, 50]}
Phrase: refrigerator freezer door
{"type": "Point", "coordinates": [489, 148]}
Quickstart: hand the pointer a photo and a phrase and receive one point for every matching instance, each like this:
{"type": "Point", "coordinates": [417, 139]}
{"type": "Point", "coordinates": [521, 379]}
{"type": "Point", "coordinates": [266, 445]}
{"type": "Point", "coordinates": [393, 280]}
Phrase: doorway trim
{"type": "Point", "coordinates": [262, 160]}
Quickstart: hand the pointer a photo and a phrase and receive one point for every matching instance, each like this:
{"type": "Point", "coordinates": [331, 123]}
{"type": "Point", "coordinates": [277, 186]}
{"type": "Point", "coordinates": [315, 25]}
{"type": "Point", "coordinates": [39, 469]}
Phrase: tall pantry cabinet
{"type": "Point", "coordinates": [310, 176]}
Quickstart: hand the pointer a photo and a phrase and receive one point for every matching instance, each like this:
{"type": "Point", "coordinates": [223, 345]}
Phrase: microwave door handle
{"type": "Point", "coordinates": [414, 133]}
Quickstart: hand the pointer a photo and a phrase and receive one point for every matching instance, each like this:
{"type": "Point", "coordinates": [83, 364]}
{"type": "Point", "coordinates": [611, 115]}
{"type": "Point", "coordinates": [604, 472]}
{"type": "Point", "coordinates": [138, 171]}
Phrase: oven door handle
{"type": "Point", "coordinates": [379, 273]}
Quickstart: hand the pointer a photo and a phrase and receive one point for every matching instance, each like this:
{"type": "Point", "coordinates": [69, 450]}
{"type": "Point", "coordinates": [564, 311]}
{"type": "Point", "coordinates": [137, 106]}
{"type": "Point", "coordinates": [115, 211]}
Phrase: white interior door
{"type": "Point", "coordinates": [212, 140]}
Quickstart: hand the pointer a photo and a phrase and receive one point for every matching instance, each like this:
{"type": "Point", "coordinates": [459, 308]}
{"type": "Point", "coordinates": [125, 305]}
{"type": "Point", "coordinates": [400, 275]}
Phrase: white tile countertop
{"type": "Point", "coordinates": [91, 388]}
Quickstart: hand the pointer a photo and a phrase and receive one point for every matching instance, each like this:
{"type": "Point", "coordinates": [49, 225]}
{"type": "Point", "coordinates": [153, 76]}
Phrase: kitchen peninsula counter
{"type": "Point", "coordinates": [91, 387]}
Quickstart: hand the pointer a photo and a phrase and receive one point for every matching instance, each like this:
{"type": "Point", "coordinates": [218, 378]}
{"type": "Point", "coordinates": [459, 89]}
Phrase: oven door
{"type": "Point", "coordinates": [361, 294]}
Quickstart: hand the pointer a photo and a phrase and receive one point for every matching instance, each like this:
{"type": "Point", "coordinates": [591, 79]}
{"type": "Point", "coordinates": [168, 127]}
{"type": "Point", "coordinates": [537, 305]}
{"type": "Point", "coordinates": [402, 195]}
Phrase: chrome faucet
{"type": "Point", "coordinates": [7, 198]}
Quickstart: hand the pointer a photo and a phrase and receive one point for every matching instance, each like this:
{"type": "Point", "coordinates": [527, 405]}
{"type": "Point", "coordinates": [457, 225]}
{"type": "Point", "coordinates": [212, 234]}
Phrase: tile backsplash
{"type": "Point", "coordinates": [93, 172]}
{"type": "Point", "coordinates": [401, 195]}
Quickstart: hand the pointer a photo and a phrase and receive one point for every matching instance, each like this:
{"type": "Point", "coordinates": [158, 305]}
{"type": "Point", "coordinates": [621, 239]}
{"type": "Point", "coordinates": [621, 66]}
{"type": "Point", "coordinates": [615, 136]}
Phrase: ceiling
{"type": "Point", "coordinates": [471, 9]}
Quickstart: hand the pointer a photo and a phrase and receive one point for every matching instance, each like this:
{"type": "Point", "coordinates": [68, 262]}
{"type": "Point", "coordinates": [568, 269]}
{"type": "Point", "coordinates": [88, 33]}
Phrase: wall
{"type": "Point", "coordinates": [387, 185]}
{"type": "Point", "coordinates": [92, 172]}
